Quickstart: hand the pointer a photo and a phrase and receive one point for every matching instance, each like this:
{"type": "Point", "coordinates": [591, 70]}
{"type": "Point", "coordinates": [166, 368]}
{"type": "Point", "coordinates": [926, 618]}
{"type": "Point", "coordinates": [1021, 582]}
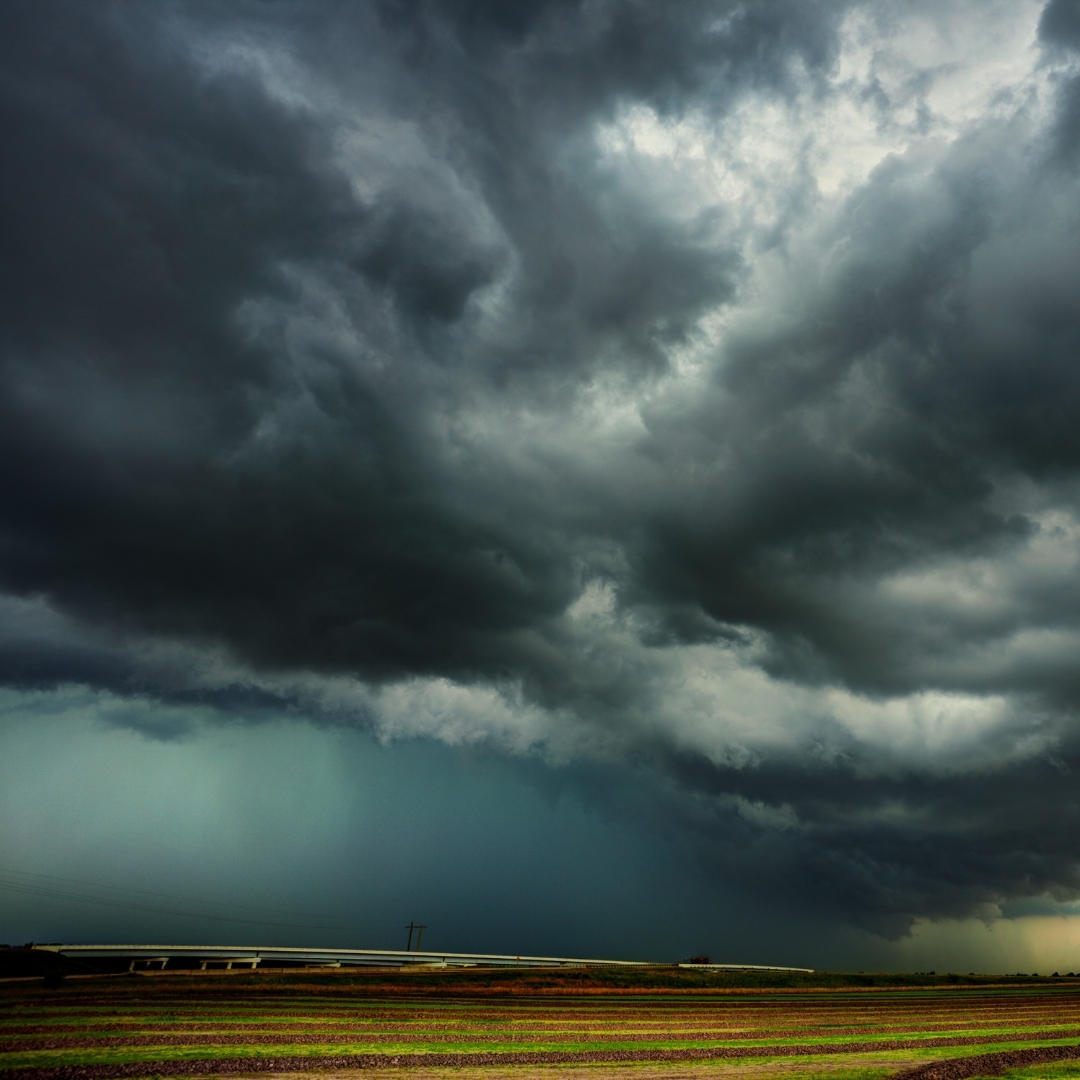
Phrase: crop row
{"type": "Point", "coordinates": [144, 1023]}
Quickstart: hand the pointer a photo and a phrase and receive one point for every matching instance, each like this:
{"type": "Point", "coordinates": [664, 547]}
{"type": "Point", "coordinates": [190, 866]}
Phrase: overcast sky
{"type": "Point", "coordinates": [594, 476]}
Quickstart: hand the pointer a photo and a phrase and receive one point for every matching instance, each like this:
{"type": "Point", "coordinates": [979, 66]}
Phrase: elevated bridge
{"type": "Point", "coordinates": [208, 957]}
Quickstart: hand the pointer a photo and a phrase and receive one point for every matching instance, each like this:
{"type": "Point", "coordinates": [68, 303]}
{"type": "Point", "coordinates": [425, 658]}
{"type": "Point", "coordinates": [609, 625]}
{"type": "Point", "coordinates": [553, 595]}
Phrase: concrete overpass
{"type": "Point", "coordinates": [245, 956]}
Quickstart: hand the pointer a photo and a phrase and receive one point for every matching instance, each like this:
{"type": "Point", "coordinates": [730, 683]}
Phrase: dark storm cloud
{"type": "Point", "coordinates": [884, 850]}
{"type": "Point", "coordinates": [151, 200]}
{"type": "Point", "coordinates": [320, 328]}
{"type": "Point", "coordinates": [1060, 23]}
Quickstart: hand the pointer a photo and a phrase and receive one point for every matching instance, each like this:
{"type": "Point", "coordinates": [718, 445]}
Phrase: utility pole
{"type": "Point", "coordinates": [411, 927]}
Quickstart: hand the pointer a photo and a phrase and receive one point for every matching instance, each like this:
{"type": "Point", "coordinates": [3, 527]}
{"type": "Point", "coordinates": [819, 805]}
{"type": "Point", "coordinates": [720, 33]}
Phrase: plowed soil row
{"type": "Point", "coordinates": [183, 994]}
{"type": "Point", "coordinates": [56, 1036]}
{"type": "Point", "coordinates": [11, 1041]}
{"type": "Point", "coordinates": [850, 1001]}
{"type": "Point", "coordinates": [988, 1064]}
{"type": "Point", "coordinates": [334, 1062]}
{"type": "Point", "coordinates": [716, 1020]}
{"type": "Point", "coordinates": [952, 1069]}
{"type": "Point", "coordinates": [268, 1039]}
{"type": "Point", "coordinates": [361, 1027]}
{"type": "Point", "coordinates": [884, 1012]}
{"type": "Point", "coordinates": [536, 1057]}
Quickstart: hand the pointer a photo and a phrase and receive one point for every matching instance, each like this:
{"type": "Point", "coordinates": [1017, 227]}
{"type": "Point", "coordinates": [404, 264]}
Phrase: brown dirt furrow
{"type": "Point", "coordinates": [227, 1066]}
{"type": "Point", "coordinates": [718, 1016]}
{"type": "Point", "coordinates": [717, 1021]}
{"type": "Point", "coordinates": [731, 1017]}
{"type": "Point", "coordinates": [732, 1009]}
{"type": "Point", "coordinates": [644, 1031]}
{"type": "Point", "coordinates": [971, 999]}
{"type": "Point", "coordinates": [691, 1070]}
{"type": "Point", "coordinates": [315, 1062]}
{"type": "Point", "coordinates": [386, 1002]}
{"type": "Point", "coordinates": [183, 991]}
{"type": "Point", "coordinates": [270, 1039]}
{"type": "Point", "coordinates": [988, 1064]}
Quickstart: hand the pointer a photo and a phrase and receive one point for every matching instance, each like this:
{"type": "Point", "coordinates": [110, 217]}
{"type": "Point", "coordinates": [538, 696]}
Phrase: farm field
{"type": "Point", "coordinates": [294, 1025]}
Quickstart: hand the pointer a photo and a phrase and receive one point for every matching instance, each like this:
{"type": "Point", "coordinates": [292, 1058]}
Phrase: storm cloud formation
{"type": "Point", "coordinates": [690, 388]}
